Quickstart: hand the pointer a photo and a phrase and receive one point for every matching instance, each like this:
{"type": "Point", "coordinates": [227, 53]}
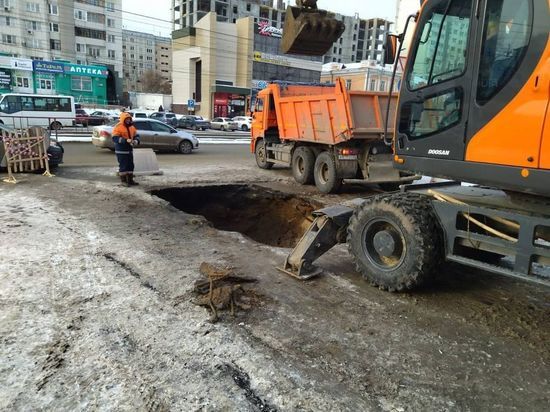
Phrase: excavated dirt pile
{"type": "Point", "coordinates": [269, 217]}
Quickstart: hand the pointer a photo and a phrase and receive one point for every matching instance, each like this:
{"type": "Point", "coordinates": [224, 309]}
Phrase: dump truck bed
{"type": "Point", "coordinates": [329, 114]}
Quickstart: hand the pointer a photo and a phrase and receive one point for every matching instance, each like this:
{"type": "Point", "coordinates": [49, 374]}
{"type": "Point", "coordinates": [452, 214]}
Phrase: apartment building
{"type": "Point", "coordinates": [82, 32]}
{"type": "Point", "coordinates": [142, 52]}
{"type": "Point", "coordinates": [163, 57]}
{"type": "Point", "coordinates": [363, 39]}
{"type": "Point", "coordinates": [186, 13]}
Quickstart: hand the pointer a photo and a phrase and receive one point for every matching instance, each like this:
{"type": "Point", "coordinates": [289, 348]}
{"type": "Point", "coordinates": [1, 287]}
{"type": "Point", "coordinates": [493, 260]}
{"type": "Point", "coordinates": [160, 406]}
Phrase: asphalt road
{"type": "Point", "coordinates": [86, 154]}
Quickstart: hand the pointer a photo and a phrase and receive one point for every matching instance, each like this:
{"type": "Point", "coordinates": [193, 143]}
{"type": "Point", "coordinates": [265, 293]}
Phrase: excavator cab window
{"type": "Point", "coordinates": [506, 35]}
{"type": "Point", "coordinates": [435, 61]}
{"type": "Point", "coordinates": [433, 115]}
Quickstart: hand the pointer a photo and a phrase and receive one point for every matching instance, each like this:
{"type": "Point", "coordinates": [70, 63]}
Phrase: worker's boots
{"type": "Point", "coordinates": [131, 181]}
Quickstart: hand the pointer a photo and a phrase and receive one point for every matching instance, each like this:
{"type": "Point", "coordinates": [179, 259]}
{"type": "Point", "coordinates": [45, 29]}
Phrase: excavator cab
{"type": "Point", "coordinates": [309, 30]}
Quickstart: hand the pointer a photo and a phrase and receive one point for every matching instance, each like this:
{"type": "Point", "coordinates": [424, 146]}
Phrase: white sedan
{"type": "Point", "coordinates": [244, 123]}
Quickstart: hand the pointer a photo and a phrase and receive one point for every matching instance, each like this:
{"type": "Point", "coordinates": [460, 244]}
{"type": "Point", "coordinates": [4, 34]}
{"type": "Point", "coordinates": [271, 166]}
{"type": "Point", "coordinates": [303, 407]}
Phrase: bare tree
{"type": "Point", "coordinates": [152, 82]}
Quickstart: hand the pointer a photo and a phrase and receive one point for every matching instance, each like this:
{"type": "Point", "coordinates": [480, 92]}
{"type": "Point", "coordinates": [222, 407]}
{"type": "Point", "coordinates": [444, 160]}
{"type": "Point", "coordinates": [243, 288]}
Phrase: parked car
{"type": "Point", "coordinates": [223, 123]}
{"type": "Point", "coordinates": [108, 114]}
{"type": "Point", "coordinates": [194, 122]}
{"type": "Point", "coordinates": [54, 149]}
{"type": "Point", "coordinates": [94, 119]}
{"type": "Point", "coordinates": [139, 115]}
{"type": "Point", "coordinates": [153, 134]}
{"type": "Point", "coordinates": [165, 117]}
{"type": "Point", "coordinates": [244, 123]}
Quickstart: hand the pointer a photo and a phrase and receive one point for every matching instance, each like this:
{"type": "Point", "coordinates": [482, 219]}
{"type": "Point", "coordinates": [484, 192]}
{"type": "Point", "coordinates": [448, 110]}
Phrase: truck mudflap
{"type": "Point", "coordinates": [327, 230]}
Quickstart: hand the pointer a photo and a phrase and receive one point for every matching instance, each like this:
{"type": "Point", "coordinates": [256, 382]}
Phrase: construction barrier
{"type": "Point", "coordinates": [25, 151]}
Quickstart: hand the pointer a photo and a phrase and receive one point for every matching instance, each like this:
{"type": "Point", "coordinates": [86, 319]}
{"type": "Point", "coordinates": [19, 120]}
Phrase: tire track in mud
{"type": "Point", "coordinates": [131, 271]}
{"type": "Point", "coordinates": [242, 380]}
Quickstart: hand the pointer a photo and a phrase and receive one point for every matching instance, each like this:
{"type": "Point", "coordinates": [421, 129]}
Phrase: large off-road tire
{"type": "Point", "coordinates": [261, 155]}
{"type": "Point", "coordinates": [303, 163]}
{"type": "Point", "coordinates": [325, 174]}
{"type": "Point", "coordinates": [395, 241]}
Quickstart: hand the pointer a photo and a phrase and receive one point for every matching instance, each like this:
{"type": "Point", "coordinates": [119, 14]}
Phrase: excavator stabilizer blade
{"type": "Point", "coordinates": [310, 32]}
{"type": "Point", "coordinates": [327, 230]}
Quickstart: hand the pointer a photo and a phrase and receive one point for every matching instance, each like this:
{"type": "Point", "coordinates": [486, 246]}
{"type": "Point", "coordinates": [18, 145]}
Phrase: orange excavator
{"type": "Point", "coordinates": [473, 107]}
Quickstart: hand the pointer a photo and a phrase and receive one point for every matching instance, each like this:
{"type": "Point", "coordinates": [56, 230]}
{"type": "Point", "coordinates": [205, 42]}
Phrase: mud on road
{"type": "Point", "coordinates": [97, 312]}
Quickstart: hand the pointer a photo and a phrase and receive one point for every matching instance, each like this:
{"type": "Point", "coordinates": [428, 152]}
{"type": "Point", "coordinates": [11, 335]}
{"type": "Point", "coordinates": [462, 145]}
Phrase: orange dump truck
{"type": "Point", "coordinates": [326, 134]}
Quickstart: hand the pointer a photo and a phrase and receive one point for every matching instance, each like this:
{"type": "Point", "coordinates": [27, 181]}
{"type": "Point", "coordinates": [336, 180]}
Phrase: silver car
{"type": "Point", "coordinates": [223, 123]}
{"type": "Point", "coordinates": [153, 134]}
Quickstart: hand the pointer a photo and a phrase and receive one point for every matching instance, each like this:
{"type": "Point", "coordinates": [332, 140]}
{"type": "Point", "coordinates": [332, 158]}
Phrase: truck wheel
{"type": "Point", "coordinates": [303, 163]}
{"type": "Point", "coordinates": [325, 174]}
{"type": "Point", "coordinates": [395, 241]}
{"type": "Point", "coordinates": [261, 156]}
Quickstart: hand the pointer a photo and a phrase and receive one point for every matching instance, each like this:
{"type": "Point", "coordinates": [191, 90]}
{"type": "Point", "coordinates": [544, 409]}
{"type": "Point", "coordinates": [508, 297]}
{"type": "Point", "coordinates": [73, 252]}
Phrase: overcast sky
{"type": "Point", "coordinates": [159, 12]}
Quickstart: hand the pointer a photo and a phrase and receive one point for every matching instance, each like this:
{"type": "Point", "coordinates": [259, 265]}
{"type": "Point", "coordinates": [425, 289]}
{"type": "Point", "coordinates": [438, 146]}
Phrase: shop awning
{"type": "Point", "coordinates": [220, 88]}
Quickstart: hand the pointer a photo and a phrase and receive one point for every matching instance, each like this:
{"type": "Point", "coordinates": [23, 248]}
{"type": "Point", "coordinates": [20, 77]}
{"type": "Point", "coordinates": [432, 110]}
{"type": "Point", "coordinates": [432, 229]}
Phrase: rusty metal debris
{"type": "Point", "coordinates": [222, 289]}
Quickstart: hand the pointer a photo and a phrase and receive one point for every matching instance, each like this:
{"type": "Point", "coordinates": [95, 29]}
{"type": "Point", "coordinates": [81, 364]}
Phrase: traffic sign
{"type": "Point", "coordinates": [191, 104]}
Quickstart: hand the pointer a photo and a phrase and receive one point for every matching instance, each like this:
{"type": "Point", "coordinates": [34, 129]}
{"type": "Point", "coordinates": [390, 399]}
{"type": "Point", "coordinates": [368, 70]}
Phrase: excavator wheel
{"type": "Point", "coordinates": [309, 31]}
{"type": "Point", "coordinates": [395, 241]}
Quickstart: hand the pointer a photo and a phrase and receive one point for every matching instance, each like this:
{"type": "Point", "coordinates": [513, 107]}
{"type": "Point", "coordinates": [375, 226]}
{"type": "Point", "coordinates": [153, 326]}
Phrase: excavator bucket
{"type": "Point", "coordinates": [309, 31]}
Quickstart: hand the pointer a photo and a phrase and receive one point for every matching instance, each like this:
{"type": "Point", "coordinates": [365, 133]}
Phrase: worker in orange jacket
{"type": "Point", "coordinates": [125, 137]}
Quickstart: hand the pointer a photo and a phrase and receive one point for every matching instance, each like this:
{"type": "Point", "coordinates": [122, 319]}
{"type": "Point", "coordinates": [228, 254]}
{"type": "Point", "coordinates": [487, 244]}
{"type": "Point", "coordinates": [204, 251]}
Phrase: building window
{"type": "Point", "coordinates": [32, 25]}
{"type": "Point", "coordinates": [55, 44]}
{"type": "Point", "coordinates": [80, 48]}
{"type": "Point", "coordinates": [45, 84]}
{"type": "Point", "coordinates": [6, 20]}
{"type": "Point", "coordinates": [5, 3]}
{"type": "Point", "coordinates": [54, 27]}
{"type": "Point", "coordinates": [80, 15]}
{"type": "Point", "coordinates": [348, 84]}
{"type": "Point", "coordinates": [81, 83]}
{"type": "Point", "coordinates": [94, 52]}
{"type": "Point", "coordinates": [53, 9]}
{"type": "Point", "coordinates": [90, 33]}
{"type": "Point", "coordinates": [110, 22]}
{"type": "Point", "coordinates": [33, 7]}
{"type": "Point", "coordinates": [96, 18]}
{"type": "Point", "coordinates": [382, 85]}
{"type": "Point", "coordinates": [111, 54]}
{"type": "Point", "coordinates": [373, 85]}
{"type": "Point", "coordinates": [22, 82]}
{"type": "Point", "coordinates": [110, 6]}
{"type": "Point", "coordinates": [111, 38]}
{"type": "Point", "coordinates": [247, 6]}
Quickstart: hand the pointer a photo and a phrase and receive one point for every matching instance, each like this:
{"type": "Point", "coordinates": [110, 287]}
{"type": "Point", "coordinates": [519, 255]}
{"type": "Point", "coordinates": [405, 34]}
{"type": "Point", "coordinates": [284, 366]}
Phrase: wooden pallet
{"type": "Point", "coordinates": [25, 151]}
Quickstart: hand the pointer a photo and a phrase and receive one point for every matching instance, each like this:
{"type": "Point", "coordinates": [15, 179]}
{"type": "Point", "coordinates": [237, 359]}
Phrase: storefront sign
{"type": "Point", "coordinates": [5, 78]}
{"type": "Point", "coordinates": [22, 64]}
{"type": "Point", "coordinates": [265, 29]}
{"type": "Point", "coordinates": [259, 84]}
{"type": "Point", "coordinates": [221, 101]}
{"type": "Point", "coordinates": [91, 71]}
{"type": "Point", "coordinates": [271, 58]}
{"type": "Point", "coordinates": [47, 67]}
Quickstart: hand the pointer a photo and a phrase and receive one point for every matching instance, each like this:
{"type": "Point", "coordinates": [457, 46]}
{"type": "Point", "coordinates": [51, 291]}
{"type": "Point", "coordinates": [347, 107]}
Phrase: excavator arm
{"type": "Point", "coordinates": [309, 30]}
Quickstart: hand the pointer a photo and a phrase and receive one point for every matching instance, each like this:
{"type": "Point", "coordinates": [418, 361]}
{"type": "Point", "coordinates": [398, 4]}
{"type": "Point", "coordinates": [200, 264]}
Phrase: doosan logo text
{"type": "Point", "coordinates": [439, 152]}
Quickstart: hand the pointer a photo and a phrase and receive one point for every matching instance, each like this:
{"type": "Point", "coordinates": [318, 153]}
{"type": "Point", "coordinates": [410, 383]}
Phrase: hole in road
{"type": "Point", "coordinates": [269, 217]}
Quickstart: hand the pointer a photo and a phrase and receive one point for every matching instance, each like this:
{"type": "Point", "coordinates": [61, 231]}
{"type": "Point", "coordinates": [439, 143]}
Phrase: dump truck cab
{"type": "Point", "coordinates": [264, 117]}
